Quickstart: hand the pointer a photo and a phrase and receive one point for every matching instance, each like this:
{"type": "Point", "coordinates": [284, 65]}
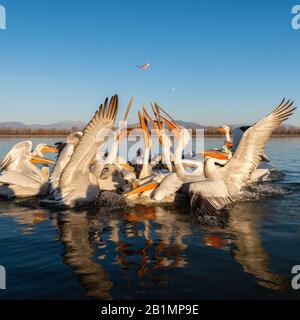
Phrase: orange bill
{"type": "Point", "coordinates": [155, 127]}
{"type": "Point", "coordinates": [150, 186]}
{"type": "Point", "coordinates": [46, 149]}
{"type": "Point", "coordinates": [145, 129]}
{"type": "Point", "coordinates": [228, 144]}
{"type": "Point", "coordinates": [38, 159]}
{"type": "Point", "coordinates": [172, 126]}
{"type": "Point", "coordinates": [155, 110]}
{"type": "Point", "coordinates": [215, 155]}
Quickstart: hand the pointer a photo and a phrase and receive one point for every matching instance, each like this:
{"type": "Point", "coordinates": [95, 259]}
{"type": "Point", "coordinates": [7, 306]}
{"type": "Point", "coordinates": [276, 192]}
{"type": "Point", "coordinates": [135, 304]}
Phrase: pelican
{"type": "Point", "coordinates": [225, 153]}
{"type": "Point", "coordinates": [113, 171]}
{"type": "Point", "coordinates": [221, 185]}
{"type": "Point", "coordinates": [228, 142]}
{"type": "Point", "coordinates": [183, 137]}
{"type": "Point", "coordinates": [147, 182]}
{"type": "Point", "coordinates": [113, 157]}
{"type": "Point", "coordinates": [63, 158]}
{"type": "Point", "coordinates": [77, 185]}
{"type": "Point", "coordinates": [20, 177]}
{"type": "Point", "coordinates": [164, 139]}
{"type": "Point", "coordinates": [164, 187]}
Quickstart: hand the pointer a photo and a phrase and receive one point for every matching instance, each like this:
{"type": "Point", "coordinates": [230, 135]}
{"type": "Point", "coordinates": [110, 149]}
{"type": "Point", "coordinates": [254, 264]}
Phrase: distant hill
{"type": "Point", "coordinates": [63, 125]}
{"type": "Point", "coordinates": [15, 125]}
{"type": "Point", "coordinates": [190, 125]}
{"type": "Point", "coordinates": [69, 125]}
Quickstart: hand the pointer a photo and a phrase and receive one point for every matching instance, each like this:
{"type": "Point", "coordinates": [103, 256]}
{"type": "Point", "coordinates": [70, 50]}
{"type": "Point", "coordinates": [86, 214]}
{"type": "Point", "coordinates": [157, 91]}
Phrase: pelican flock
{"type": "Point", "coordinates": [85, 174]}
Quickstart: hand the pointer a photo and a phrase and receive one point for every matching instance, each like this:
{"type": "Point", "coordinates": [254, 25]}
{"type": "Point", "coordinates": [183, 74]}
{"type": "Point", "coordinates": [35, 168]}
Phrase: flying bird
{"type": "Point", "coordinates": [144, 66]}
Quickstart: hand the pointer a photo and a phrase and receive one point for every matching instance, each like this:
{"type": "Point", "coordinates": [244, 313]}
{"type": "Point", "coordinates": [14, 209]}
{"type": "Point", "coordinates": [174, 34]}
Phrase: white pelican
{"type": "Point", "coordinates": [174, 181]}
{"type": "Point", "coordinates": [20, 177]}
{"type": "Point", "coordinates": [113, 171]}
{"type": "Point", "coordinates": [77, 185]}
{"type": "Point", "coordinates": [164, 187]}
{"type": "Point", "coordinates": [164, 139]}
{"type": "Point", "coordinates": [223, 184]}
{"type": "Point", "coordinates": [183, 137]}
{"type": "Point", "coordinates": [228, 142]}
{"type": "Point", "coordinates": [63, 158]}
{"type": "Point", "coordinates": [225, 152]}
{"type": "Point", "coordinates": [113, 157]}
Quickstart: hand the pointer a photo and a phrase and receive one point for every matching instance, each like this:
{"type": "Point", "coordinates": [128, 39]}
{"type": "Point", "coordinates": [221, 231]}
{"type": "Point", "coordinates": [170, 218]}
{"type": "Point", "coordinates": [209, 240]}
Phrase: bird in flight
{"type": "Point", "coordinates": [144, 66]}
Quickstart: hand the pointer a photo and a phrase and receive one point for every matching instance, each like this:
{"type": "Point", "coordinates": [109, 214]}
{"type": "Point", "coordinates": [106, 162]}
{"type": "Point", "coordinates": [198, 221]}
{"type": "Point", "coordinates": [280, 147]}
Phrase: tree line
{"type": "Point", "coordinates": [290, 131]}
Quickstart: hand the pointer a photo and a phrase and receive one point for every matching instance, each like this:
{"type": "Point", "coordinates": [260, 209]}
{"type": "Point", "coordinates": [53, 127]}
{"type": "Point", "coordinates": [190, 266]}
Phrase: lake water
{"type": "Point", "coordinates": [158, 253]}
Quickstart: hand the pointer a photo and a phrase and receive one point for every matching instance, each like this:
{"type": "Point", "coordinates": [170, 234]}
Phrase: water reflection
{"type": "Point", "coordinates": [145, 241]}
{"type": "Point", "coordinates": [74, 232]}
{"type": "Point", "coordinates": [26, 218]}
{"type": "Point", "coordinates": [248, 249]}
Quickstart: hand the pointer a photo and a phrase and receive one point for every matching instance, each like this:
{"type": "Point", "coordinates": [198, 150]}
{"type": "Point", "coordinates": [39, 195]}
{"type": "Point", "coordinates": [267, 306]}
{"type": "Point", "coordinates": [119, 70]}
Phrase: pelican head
{"type": "Point", "coordinates": [224, 129]}
{"type": "Point", "coordinates": [44, 148]}
{"type": "Point", "coordinates": [74, 137]}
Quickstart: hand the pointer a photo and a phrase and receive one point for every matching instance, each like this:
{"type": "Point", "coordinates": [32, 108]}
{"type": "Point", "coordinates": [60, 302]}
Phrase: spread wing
{"type": "Point", "coordinates": [247, 156]}
{"type": "Point", "coordinates": [15, 157]}
{"type": "Point", "coordinates": [209, 196]}
{"type": "Point", "coordinates": [92, 138]}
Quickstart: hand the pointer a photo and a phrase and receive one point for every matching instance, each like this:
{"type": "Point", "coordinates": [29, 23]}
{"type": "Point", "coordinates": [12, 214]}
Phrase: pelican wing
{"type": "Point", "coordinates": [61, 163]}
{"type": "Point", "coordinates": [15, 157]}
{"type": "Point", "coordinates": [209, 196]}
{"type": "Point", "coordinates": [19, 179]}
{"type": "Point", "coordinates": [170, 185]}
{"type": "Point", "coordinates": [92, 138]}
{"type": "Point", "coordinates": [247, 156]}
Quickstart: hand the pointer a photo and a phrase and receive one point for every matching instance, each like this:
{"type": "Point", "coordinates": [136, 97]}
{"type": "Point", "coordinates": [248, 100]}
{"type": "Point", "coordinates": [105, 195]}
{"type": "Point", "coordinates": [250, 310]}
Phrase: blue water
{"type": "Point", "coordinates": [158, 252]}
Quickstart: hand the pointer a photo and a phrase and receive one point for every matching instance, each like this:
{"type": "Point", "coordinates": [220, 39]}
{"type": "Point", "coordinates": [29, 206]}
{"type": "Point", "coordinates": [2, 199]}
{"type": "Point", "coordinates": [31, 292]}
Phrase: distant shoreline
{"type": "Point", "coordinates": [65, 135]}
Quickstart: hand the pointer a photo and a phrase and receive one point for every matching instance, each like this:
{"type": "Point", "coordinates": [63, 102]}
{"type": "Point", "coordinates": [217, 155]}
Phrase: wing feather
{"type": "Point", "coordinates": [86, 149]}
{"type": "Point", "coordinates": [15, 157]}
{"type": "Point", "coordinates": [247, 156]}
{"type": "Point", "coordinates": [209, 196]}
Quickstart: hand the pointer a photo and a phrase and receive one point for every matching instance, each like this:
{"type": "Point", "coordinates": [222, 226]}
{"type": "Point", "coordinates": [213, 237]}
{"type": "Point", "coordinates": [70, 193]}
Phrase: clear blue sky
{"type": "Point", "coordinates": [229, 61]}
